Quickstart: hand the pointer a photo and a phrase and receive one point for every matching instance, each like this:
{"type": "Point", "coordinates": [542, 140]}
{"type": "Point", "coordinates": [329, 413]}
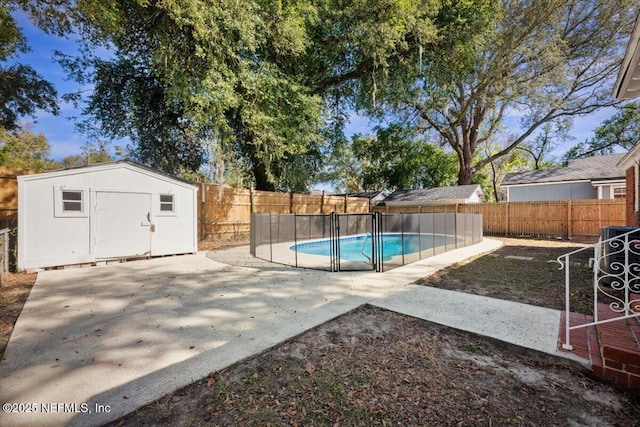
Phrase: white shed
{"type": "Point", "coordinates": [101, 212]}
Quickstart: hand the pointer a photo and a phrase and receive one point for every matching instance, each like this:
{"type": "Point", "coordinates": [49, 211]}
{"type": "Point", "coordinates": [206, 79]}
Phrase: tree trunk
{"type": "Point", "coordinates": [260, 175]}
{"type": "Point", "coordinates": [464, 175]}
{"type": "Point", "coordinates": [466, 165]}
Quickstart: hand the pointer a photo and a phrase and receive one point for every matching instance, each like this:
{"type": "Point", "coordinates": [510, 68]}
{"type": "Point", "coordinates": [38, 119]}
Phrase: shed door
{"type": "Point", "coordinates": [123, 224]}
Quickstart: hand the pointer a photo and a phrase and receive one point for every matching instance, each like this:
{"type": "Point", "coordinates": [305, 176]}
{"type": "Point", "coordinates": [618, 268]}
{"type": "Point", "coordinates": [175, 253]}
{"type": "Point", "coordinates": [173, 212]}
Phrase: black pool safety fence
{"type": "Point", "coordinates": [374, 241]}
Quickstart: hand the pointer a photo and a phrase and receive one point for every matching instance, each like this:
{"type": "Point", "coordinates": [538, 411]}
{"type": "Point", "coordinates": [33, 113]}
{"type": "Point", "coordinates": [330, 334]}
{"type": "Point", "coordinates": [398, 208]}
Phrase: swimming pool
{"type": "Point", "coordinates": [358, 248]}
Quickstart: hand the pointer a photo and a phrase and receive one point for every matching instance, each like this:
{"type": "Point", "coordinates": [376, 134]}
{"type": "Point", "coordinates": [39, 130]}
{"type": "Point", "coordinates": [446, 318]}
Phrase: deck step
{"type": "Point", "coordinates": [613, 349]}
{"type": "Point", "coordinates": [619, 348]}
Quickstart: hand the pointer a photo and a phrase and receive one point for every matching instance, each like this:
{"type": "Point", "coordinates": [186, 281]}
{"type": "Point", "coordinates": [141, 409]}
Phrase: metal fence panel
{"type": "Point", "coordinates": [376, 241]}
{"type": "Point", "coordinates": [427, 237]}
{"type": "Point", "coordinates": [450, 231]}
{"type": "Point", "coordinates": [262, 236]}
{"type": "Point", "coordinates": [440, 236]}
{"type": "Point", "coordinates": [311, 248]}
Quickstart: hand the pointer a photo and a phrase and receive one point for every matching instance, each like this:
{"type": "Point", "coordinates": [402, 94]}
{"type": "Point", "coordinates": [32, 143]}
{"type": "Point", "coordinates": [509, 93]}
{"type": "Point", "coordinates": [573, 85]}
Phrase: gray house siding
{"type": "Point", "coordinates": [558, 191]}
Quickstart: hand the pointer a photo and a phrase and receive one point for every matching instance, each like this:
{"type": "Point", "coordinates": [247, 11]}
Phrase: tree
{"type": "Point", "coordinates": [130, 102]}
{"type": "Point", "coordinates": [531, 155]}
{"type": "Point", "coordinates": [185, 72]}
{"type": "Point", "coordinates": [90, 154]}
{"type": "Point", "coordinates": [23, 149]}
{"type": "Point", "coordinates": [497, 169]}
{"type": "Point", "coordinates": [622, 130]}
{"type": "Point", "coordinates": [22, 90]}
{"type": "Point", "coordinates": [342, 169]}
{"type": "Point", "coordinates": [259, 78]}
{"type": "Point", "coordinates": [545, 142]}
{"type": "Point", "coordinates": [395, 159]}
{"type": "Point", "coordinates": [545, 60]}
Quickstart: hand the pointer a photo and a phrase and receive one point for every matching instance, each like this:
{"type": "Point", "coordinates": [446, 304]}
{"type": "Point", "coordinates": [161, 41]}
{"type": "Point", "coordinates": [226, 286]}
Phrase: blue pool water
{"type": "Point", "coordinates": [352, 248]}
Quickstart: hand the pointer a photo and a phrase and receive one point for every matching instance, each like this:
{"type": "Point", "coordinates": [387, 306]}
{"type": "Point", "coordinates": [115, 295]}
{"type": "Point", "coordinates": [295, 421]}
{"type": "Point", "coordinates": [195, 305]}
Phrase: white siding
{"type": "Point", "coordinates": [560, 191]}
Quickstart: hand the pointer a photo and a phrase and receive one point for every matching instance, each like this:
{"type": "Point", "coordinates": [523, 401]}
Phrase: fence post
{"type": "Point", "coordinates": [203, 210]}
{"type": "Point", "coordinates": [252, 206]}
{"type": "Point", "coordinates": [569, 219]}
{"type": "Point", "coordinates": [290, 201]}
{"type": "Point", "coordinates": [346, 198]}
{"type": "Point", "coordinates": [322, 203]}
{"type": "Point", "coordinates": [507, 213]}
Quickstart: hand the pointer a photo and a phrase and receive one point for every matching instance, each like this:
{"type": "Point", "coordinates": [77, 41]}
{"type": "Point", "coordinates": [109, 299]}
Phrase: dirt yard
{"type": "Point", "coordinates": [374, 367]}
{"type": "Point", "coordinates": [13, 294]}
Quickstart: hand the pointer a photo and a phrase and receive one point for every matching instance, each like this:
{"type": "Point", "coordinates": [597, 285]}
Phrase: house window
{"type": "Point", "coordinates": [167, 203]}
{"type": "Point", "coordinates": [72, 201]}
{"type": "Point", "coordinates": [619, 192]}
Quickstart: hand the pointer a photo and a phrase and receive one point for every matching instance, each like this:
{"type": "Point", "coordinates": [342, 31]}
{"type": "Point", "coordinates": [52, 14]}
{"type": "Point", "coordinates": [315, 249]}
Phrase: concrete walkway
{"type": "Point", "coordinates": [94, 344]}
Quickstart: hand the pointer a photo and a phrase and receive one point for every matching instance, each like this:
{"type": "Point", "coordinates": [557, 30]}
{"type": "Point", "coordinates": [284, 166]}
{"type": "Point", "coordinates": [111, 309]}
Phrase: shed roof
{"type": "Point", "coordinates": [595, 168]}
{"type": "Point", "coordinates": [106, 165]}
{"type": "Point", "coordinates": [457, 193]}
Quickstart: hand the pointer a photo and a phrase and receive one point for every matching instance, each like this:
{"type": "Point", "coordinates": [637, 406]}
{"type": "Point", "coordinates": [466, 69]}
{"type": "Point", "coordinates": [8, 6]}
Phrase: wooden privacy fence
{"type": "Point", "coordinates": [226, 213]}
{"type": "Point", "coordinates": [561, 219]}
{"type": "Point", "coordinates": [9, 195]}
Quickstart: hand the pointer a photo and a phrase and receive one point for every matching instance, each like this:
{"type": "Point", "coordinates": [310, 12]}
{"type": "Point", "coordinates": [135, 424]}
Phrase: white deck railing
{"type": "Point", "coordinates": [616, 278]}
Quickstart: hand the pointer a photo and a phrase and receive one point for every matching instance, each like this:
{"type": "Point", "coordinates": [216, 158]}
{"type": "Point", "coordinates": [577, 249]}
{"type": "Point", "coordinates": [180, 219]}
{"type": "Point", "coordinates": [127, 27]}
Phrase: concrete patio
{"type": "Point", "coordinates": [103, 341]}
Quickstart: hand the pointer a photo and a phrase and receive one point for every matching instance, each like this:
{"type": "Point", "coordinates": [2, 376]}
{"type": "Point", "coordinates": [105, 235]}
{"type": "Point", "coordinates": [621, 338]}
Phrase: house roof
{"type": "Point", "coordinates": [630, 159]}
{"type": "Point", "coordinates": [369, 194]}
{"type": "Point", "coordinates": [628, 82]}
{"type": "Point", "coordinates": [597, 168]}
{"type": "Point", "coordinates": [454, 194]}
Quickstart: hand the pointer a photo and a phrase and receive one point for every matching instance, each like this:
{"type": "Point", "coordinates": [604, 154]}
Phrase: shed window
{"type": "Point", "coordinates": [72, 201]}
{"type": "Point", "coordinates": [166, 203]}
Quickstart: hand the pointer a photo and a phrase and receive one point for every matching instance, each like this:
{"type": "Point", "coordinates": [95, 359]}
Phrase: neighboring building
{"type": "Point", "coordinates": [628, 87]}
{"type": "Point", "coordinates": [596, 177]}
{"type": "Point", "coordinates": [460, 194]}
{"type": "Point", "coordinates": [375, 197]}
{"type": "Point", "coordinates": [104, 211]}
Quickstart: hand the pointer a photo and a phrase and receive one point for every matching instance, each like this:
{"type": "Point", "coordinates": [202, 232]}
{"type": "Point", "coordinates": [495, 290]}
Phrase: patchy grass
{"type": "Point", "coordinates": [537, 282]}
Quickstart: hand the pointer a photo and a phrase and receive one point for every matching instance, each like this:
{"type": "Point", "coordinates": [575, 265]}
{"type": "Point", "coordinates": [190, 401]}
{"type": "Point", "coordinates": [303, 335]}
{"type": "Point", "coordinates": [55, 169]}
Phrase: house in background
{"type": "Point", "coordinates": [105, 211]}
{"type": "Point", "coordinates": [460, 194]}
{"type": "Point", "coordinates": [597, 177]}
{"type": "Point", "coordinates": [375, 197]}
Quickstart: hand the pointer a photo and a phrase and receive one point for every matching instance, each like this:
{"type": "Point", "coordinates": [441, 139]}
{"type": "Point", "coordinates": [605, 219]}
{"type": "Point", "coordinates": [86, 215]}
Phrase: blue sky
{"type": "Point", "coordinates": [65, 140]}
